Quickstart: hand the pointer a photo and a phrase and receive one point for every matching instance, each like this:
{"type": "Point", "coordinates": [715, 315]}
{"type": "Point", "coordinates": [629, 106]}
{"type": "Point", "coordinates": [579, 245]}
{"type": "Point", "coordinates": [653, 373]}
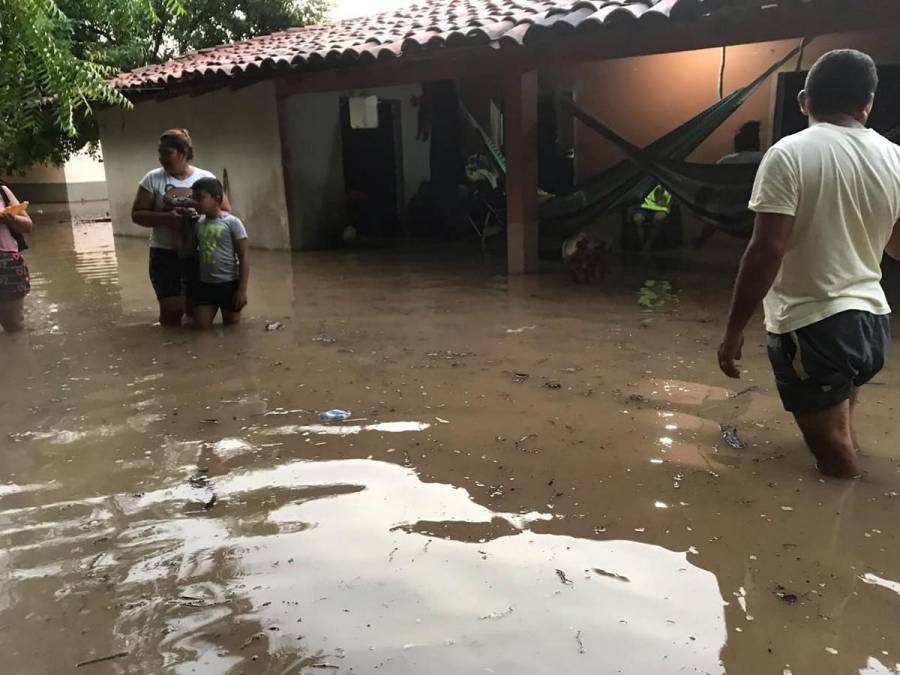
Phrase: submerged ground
{"type": "Point", "coordinates": [534, 479]}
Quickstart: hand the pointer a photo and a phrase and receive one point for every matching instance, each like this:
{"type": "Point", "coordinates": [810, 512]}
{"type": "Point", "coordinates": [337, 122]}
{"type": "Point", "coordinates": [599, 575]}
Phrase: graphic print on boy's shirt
{"type": "Point", "coordinates": [208, 240]}
{"type": "Point", "coordinates": [216, 239]}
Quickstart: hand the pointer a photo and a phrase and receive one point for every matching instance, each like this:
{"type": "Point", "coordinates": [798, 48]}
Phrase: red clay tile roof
{"type": "Point", "coordinates": [412, 29]}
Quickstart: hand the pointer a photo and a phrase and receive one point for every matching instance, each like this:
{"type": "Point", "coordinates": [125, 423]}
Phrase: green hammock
{"type": "Point", "coordinates": [718, 193]}
{"type": "Point", "coordinates": [627, 182]}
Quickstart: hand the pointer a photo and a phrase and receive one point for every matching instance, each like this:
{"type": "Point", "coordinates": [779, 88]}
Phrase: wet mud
{"type": "Point", "coordinates": [537, 477]}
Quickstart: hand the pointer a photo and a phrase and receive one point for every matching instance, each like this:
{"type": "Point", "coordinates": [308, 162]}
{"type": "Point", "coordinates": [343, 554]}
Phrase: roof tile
{"type": "Point", "coordinates": [429, 24]}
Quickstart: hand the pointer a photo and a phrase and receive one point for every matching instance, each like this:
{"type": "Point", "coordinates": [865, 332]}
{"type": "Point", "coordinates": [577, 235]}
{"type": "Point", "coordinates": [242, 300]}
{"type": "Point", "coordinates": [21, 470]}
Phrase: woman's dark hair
{"type": "Point", "coordinates": [178, 139]}
{"type": "Point", "coordinates": [842, 82]}
{"type": "Point", "coordinates": [747, 138]}
{"type": "Point", "coordinates": [210, 186]}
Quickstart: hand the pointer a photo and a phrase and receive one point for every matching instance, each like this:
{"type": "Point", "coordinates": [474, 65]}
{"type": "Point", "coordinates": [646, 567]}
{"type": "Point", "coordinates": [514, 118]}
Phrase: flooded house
{"type": "Point", "coordinates": [369, 123]}
{"type": "Point", "coordinates": [401, 461]}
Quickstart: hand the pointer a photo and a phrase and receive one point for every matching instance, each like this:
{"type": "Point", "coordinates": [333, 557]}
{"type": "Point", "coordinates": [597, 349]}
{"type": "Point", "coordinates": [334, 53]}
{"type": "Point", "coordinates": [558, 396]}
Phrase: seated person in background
{"type": "Point", "coordinates": [224, 267]}
{"type": "Point", "coordinates": [651, 218]}
{"type": "Point", "coordinates": [747, 150]}
{"type": "Point", "coordinates": [747, 146]}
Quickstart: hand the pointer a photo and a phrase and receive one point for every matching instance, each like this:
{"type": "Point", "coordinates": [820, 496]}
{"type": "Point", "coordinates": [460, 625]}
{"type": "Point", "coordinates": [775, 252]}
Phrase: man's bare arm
{"type": "Point", "coordinates": [759, 267]}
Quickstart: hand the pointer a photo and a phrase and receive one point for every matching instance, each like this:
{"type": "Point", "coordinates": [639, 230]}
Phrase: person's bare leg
{"type": "Point", "coordinates": [12, 315]}
{"type": "Point", "coordinates": [171, 310]}
{"type": "Point", "coordinates": [828, 437]}
{"type": "Point", "coordinates": [204, 315]}
{"type": "Point", "coordinates": [854, 399]}
{"type": "Point", "coordinates": [708, 231]}
{"type": "Point", "coordinates": [656, 228]}
{"type": "Point", "coordinates": [639, 222]}
{"type": "Point", "coordinates": [230, 318]}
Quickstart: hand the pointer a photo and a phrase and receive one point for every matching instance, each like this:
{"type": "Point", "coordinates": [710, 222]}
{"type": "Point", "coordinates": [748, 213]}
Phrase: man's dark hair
{"type": "Point", "coordinates": [210, 186]}
{"type": "Point", "coordinates": [842, 82]}
{"type": "Point", "coordinates": [747, 138]}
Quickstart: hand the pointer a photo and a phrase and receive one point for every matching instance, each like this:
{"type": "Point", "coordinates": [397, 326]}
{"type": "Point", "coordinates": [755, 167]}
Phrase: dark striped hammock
{"type": "Point", "coordinates": [718, 191]}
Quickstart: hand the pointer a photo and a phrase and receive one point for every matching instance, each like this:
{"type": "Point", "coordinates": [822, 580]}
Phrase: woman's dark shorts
{"type": "Point", "coordinates": [817, 367]}
{"type": "Point", "coordinates": [220, 295]}
{"type": "Point", "coordinates": [15, 282]}
{"type": "Point", "coordinates": [171, 275]}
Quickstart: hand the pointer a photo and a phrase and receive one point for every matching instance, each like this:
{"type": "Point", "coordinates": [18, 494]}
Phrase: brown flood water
{"type": "Point", "coordinates": [534, 480]}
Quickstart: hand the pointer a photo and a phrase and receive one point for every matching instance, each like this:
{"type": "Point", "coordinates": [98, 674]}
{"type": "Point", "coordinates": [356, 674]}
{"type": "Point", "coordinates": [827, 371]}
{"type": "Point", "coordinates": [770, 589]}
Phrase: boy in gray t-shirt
{"type": "Point", "coordinates": [222, 245]}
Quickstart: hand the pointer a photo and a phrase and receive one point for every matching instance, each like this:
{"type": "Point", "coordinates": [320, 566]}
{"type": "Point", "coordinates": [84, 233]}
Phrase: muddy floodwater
{"type": "Point", "coordinates": [534, 479]}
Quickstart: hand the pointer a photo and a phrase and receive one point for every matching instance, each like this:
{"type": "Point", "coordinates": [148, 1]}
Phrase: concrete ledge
{"type": "Point", "coordinates": [88, 192]}
{"type": "Point", "coordinates": [41, 193]}
{"type": "Point", "coordinates": [59, 193]}
{"type": "Point", "coordinates": [87, 210]}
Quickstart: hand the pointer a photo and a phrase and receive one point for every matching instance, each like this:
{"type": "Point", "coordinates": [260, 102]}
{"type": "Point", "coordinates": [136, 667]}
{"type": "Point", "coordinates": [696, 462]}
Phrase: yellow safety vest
{"type": "Point", "coordinates": [659, 199]}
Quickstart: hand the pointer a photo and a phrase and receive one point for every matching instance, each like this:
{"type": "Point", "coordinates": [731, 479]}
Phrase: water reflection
{"type": "Point", "coordinates": [347, 429]}
{"type": "Point", "coordinates": [357, 557]}
{"type": "Point", "coordinates": [876, 667]}
{"type": "Point", "coordinates": [95, 252]}
{"type": "Point", "coordinates": [876, 580]}
{"type": "Point", "coordinates": [146, 501]}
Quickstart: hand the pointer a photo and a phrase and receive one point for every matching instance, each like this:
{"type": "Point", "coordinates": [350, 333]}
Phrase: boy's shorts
{"type": "Point", "coordinates": [817, 367]}
{"type": "Point", "coordinates": [220, 295]}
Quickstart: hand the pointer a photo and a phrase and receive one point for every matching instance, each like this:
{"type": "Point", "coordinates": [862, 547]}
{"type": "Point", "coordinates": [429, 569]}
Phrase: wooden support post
{"type": "Point", "coordinates": [520, 121]}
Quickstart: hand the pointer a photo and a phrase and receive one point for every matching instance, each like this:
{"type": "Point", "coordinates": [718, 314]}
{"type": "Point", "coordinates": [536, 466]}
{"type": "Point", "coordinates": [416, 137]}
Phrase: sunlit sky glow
{"type": "Point", "coordinates": [346, 9]}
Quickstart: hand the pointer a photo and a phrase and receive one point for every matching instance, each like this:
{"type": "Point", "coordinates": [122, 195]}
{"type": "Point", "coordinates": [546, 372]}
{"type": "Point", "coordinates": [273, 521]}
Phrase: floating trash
{"type": "Point", "coordinates": [730, 435]}
{"type": "Point", "coordinates": [563, 578]}
{"type": "Point", "coordinates": [497, 615]}
{"type": "Point", "coordinates": [336, 415]}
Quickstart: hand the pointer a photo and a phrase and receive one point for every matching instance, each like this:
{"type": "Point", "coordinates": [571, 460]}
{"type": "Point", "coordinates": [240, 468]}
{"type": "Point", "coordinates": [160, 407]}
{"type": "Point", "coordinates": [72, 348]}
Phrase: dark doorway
{"type": "Point", "coordinates": [556, 154]}
{"type": "Point", "coordinates": [373, 171]}
{"type": "Point", "coordinates": [789, 119]}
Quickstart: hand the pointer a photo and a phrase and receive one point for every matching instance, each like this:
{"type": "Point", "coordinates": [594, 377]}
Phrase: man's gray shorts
{"type": "Point", "coordinates": [816, 367]}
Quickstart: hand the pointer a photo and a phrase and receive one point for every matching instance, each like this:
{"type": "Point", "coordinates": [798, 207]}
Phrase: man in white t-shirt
{"type": "Point", "coordinates": [828, 204]}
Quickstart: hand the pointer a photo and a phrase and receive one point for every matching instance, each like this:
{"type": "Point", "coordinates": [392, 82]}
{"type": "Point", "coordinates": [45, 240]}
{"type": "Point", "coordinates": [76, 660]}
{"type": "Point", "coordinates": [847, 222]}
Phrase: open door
{"type": "Point", "coordinates": [373, 171]}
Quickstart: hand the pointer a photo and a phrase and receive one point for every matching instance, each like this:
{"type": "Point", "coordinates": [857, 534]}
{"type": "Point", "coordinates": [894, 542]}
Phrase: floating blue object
{"type": "Point", "coordinates": [336, 415]}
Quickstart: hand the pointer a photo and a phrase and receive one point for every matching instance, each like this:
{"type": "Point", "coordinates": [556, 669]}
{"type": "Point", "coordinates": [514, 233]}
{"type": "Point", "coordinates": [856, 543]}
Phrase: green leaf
{"type": "Point", "coordinates": [57, 56]}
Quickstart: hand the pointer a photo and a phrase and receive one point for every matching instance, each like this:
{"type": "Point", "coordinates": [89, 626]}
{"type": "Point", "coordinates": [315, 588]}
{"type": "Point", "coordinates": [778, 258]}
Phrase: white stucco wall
{"type": "Point", "coordinates": [312, 136]}
{"type": "Point", "coordinates": [235, 130]}
{"type": "Point", "coordinates": [39, 173]}
{"type": "Point", "coordinates": [75, 190]}
{"type": "Point", "coordinates": [84, 167]}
